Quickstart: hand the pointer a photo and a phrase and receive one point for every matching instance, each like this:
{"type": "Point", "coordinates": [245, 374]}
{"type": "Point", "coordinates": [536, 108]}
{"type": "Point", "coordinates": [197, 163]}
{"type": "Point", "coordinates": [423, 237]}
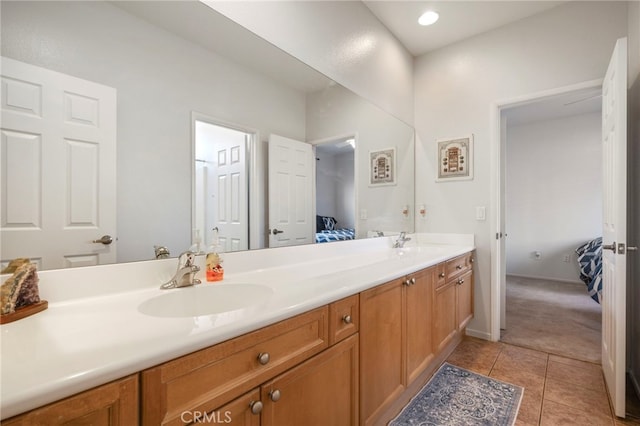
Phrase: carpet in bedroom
{"type": "Point", "coordinates": [554, 317]}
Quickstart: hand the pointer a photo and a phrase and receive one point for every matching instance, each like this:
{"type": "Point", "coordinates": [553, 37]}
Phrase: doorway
{"type": "Point", "coordinates": [335, 198]}
{"type": "Point", "coordinates": [553, 205]}
{"type": "Point", "coordinates": [220, 185]}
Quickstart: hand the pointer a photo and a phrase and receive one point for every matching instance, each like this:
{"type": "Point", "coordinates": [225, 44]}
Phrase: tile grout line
{"type": "Point", "coordinates": [544, 388]}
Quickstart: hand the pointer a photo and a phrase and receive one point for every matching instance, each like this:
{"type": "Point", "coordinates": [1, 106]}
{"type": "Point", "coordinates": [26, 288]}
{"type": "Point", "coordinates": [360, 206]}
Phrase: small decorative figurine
{"type": "Point", "coordinates": [20, 296]}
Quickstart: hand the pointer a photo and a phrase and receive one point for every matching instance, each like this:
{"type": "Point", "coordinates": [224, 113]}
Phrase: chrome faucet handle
{"type": "Point", "coordinates": [186, 259]}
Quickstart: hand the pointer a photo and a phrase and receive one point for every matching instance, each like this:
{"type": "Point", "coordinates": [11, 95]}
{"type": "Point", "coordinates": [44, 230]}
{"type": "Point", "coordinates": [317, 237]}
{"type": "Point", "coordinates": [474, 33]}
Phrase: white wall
{"type": "Point", "coordinates": [341, 39]}
{"type": "Point", "coordinates": [456, 86]}
{"type": "Point", "coordinates": [554, 194]}
{"type": "Point", "coordinates": [160, 79]}
{"type": "Point", "coordinates": [374, 130]}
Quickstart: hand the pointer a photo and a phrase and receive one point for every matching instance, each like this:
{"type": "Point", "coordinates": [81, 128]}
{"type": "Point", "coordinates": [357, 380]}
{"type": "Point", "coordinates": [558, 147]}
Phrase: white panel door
{"type": "Point", "coordinates": [231, 192]}
{"type": "Point", "coordinates": [290, 192]}
{"type": "Point", "coordinates": [614, 306]}
{"type": "Point", "coordinates": [58, 164]}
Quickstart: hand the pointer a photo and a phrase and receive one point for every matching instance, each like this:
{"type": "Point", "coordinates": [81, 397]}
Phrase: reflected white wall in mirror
{"type": "Point", "coordinates": [163, 72]}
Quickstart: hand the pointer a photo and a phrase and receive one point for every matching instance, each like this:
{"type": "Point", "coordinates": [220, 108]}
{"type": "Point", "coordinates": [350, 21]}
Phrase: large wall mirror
{"type": "Point", "coordinates": [210, 127]}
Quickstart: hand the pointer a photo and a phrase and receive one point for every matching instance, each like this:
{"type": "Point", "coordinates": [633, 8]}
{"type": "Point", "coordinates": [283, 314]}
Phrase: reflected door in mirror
{"type": "Point", "coordinates": [290, 192]}
{"type": "Point", "coordinates": [59, 167]}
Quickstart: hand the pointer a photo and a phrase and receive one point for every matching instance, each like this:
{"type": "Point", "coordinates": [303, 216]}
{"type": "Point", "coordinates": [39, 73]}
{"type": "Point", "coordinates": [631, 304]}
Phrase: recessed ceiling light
{"type": "Point", "coordinates": [428, 18]}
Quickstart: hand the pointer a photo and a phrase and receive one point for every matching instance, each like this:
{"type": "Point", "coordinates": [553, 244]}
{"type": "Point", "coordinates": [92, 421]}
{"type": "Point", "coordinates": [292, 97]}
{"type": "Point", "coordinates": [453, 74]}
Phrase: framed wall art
{"type": "Point", "coordinates": [382, 167]}
{"type": "Point", "coordinates": [455, 159]}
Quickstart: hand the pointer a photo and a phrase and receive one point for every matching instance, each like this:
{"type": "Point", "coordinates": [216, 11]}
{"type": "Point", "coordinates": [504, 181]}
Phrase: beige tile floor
{"type": "Point", "coordinates": [558, 390]}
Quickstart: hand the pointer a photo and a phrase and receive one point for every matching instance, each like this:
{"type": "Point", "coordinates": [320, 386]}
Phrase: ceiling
{"type": "Point", "coordinates": [458, 19]}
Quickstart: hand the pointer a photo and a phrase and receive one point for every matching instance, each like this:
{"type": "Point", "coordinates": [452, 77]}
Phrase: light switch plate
{"type": "Point", "coordinates": [363, 214]}
{"type": "Point", "coordinates": [481, 213]}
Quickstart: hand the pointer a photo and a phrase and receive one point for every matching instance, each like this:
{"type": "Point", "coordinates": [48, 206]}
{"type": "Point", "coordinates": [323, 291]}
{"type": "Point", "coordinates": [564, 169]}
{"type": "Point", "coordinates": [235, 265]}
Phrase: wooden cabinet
{"type": "Point", "coordinates": [202, 381]}
{"type": "Point", "coordinates": [115, 403]}
{"type": "Point", "coordinates": [382, 364]}
{"type": "Point", "coordinates": [395, 335]}
{"type": "Point", "coordinates": [419, 313]}
{"type": "Point", "coordinates": [321, 391]}
{"type": "Point", "coordinates": [453, 300]}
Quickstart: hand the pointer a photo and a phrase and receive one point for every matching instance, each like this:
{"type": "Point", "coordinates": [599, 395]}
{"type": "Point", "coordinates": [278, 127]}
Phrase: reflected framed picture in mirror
{"type": "Point", "coordinates": [455, 159]}
{"type": "Point", "coordinates": [382, 167]}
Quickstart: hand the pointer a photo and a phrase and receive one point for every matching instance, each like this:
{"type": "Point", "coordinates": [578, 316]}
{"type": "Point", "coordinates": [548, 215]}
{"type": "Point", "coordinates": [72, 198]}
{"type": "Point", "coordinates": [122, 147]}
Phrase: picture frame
{"type": "Point", "coordinates": [382, 167]}
{"type": "Point", "coordinates": [455, 159]}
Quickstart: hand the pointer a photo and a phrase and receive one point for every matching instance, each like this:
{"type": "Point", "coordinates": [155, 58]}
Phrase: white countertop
{"type": "Point", "coordinates": [93, 332]}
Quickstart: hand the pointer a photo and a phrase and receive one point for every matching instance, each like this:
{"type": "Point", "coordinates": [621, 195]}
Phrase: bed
{"type": "Point", "coordinates": [327, 230]}
{"type": "Point", "coordinates": [590, 264]}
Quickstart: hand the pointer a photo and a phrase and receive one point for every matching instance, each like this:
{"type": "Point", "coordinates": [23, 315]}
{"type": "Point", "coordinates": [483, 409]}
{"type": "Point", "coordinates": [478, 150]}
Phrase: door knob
{"type": "Point", "coordinates": [276, 232]}
{"type": "Point", "coordinates": [105, 239]}
{"type": "Point", "coordinates": [611, 247]}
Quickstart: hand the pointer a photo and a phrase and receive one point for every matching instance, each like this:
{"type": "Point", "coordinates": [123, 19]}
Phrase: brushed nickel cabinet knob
{"type": "Point", "coordinates": [256, 407]}
{"type": "Point", "coordinates": [274, 395]}
{"type": "Point", "coordinates": [346, 319]}
{"type": "Point", "coordinates": [263, 358]}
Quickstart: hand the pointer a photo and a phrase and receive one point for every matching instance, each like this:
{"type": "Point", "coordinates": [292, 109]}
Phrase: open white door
{"type": "Point", "coordinates": [614, 232]}
{"type": "Point", "coordinates": [221, 184]}
{"type": "Point", "coordinates": [290, 192]}
{"type": "Point", "coordinates": [58, 168]}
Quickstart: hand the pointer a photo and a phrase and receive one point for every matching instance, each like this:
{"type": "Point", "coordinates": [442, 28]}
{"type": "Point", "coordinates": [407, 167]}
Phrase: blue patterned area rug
{"type": "Point", "coordinates": [455, 396]}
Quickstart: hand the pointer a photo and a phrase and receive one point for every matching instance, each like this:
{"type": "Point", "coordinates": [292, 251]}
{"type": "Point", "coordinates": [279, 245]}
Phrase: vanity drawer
{"type": "Point", "coordinates": [211, 377]}
{"type": "Point", "coordinates": [440, 274]}
{"type": "Point", "coordinates": [458, 265]}
{"type": "Point", "coordinates": [344, 318]}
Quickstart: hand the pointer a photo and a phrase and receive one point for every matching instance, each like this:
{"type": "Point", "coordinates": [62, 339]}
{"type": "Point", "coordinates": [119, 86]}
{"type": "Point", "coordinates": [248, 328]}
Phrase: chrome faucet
{"type": "Point", "coordinates": [402, 238]}
{"type": "Point", "coordinates": [185, 275]}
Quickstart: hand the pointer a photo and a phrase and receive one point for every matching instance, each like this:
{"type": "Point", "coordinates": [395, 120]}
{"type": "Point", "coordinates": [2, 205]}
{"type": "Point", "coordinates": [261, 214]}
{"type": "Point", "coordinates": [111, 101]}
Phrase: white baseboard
{"type": "Point", "coordinates": [479, 334]}
{"type": "Point", "coordinates": [545, 278]}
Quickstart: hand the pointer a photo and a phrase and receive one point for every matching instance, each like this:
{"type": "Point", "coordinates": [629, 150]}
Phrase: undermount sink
{"type": "Point", "coordinates": [205, 299]}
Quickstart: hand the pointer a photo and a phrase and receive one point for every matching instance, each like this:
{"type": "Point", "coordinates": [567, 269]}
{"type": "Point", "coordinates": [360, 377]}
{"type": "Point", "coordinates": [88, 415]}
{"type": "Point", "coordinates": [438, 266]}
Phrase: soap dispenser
{"type": "Point", "coordinates": [214, 271]}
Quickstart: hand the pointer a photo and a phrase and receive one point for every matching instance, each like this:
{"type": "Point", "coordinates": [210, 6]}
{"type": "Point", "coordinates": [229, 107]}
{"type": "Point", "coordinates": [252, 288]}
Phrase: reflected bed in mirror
{"type": "Point", "coordinates": [142, 80]}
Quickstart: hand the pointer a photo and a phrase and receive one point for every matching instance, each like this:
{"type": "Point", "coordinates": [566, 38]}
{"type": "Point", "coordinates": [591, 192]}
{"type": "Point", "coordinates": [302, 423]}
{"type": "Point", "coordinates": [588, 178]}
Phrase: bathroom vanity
{"type": "Point", "coordinates": [345, 340]}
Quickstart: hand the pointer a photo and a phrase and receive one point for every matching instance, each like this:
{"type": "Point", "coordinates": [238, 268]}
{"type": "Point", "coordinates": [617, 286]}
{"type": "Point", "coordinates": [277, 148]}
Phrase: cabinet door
{"type": "Point", "coordinates": [464, 286]}
{"type": "Point", "coordinates": [242, 411]}
{"type": "Point", "coordinates": [112, 404]}
{"type": "Point", "coordinates": [321, 391]}
{"type": "Point", "coordinates": [445, 321]}
{"type": "Point", "coordinates": [418, 304]}
{"type": "Point", "coordinates": [382, 362]}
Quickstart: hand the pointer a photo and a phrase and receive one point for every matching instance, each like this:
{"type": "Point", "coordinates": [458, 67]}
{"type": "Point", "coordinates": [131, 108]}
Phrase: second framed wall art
{"type": "Point", "coordinates": [455, 159]}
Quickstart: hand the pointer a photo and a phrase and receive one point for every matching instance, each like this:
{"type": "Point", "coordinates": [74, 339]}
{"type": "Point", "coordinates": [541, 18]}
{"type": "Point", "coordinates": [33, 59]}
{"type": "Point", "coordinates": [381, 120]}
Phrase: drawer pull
{"type": "Point", "coordinates": [472, 260]}
{"type": "Point", "coordinates": [441, 275]}
{"type": "Point", "coordinates": [406, 282]}
{"type": "Point", "coordinates": [460, 281]}
{"type": "Point", "coordinates": [274, 395]}
{"type": "Point", "coordinates": [458, 267]}
{"type": "Point", "coordinates": [346, 319]}
{"type": "Point", "coordinates": [412, 281]}
{"type": "Point", "coordinates": [263, 358]}
{"type": "Point", "coordinates": [256, 407]}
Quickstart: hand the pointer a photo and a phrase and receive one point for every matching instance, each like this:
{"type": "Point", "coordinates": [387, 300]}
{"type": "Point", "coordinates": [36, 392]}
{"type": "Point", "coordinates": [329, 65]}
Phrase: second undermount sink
{"type": "Point", "coordinates": [205, 299]}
